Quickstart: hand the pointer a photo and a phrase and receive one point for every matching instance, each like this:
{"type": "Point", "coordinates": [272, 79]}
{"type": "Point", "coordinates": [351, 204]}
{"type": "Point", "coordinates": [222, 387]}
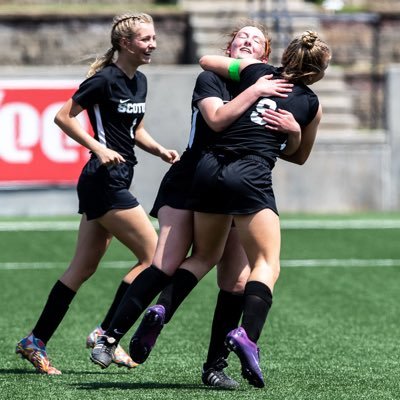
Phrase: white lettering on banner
{"type": "Point", "coordinates": [15, 144]}
{"type": "Point", "coordinates": [22, 128]}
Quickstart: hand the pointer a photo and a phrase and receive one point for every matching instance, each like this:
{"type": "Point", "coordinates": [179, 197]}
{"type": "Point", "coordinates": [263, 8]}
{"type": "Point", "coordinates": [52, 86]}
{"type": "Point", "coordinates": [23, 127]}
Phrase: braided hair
{"type": "Point", "coordinates": [305, 57]}
{"type": "Point", "coordinates": [123, 26]}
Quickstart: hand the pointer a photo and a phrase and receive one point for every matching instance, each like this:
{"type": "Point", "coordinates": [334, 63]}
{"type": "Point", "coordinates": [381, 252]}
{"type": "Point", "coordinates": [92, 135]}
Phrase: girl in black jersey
{"type": "Point", "coordinates": [233, 183]}
{"type": "Point", "coordinates": [114, 96]}
{"type": "Point", "coordinates": [175, 220]}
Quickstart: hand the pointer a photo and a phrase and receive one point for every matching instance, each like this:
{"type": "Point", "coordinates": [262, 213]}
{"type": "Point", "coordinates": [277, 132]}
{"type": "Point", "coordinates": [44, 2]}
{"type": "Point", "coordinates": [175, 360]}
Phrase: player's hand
{"type": "Point", "coordinates": [169, 156]}
{"type": "Point", "coordinates": [109, 157]}
{"type": "Point", "coordinates": [281, 120]}
{"type": "Point", "coordinates": [266, 86]}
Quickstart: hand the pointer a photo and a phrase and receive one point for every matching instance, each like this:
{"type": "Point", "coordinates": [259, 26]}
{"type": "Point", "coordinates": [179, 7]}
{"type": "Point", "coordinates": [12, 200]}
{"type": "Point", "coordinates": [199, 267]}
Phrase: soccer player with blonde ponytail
{"type": "Point", "coordinates": [114, 96]}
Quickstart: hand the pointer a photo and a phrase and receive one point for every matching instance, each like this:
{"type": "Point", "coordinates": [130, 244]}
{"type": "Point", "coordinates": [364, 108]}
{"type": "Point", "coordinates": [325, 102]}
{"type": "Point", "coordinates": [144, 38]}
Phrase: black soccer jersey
{"type": "Point", "coordinates": [248, 135]}
{"type": "Point", "coordinates": [175, 186]}
{"type": "Point", "coordinates": [207, 85]}
{"type": "Point", "coordinates": [115, 105]}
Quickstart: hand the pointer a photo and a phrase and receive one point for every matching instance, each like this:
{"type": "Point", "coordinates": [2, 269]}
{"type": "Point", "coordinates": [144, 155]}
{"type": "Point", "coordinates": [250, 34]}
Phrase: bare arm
{"type": "Point", "coordinates": [292, 144]}
{"type": "Point", "coordinates": [283, 121]}
{"type": "Point", "coordinates": [220, 64]}
{"type": "Point", "coordinates": [308, 136]}
{"type": "Point", "coordinates": [300, 142]}
{"type": "Point", "coordinates": [218, 115]}
{"type": "Point", "coordinates": [67, 121]}
{"type": "Point", "coordinates": [148, 144]}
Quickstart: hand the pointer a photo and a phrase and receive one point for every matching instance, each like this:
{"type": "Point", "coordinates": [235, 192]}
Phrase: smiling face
{"type": "Point", "coordinates": [142, 44]}
{"type": "Point", "coordinates": [249, 42]}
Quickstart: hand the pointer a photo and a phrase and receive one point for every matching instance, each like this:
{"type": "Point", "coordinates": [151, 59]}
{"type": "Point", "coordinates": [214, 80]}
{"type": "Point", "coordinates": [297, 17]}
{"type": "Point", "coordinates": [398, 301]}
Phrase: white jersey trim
{"type": "Point", "coordinates": [99, 125]}
{"type": "Point", "coordinates": [193, 127]}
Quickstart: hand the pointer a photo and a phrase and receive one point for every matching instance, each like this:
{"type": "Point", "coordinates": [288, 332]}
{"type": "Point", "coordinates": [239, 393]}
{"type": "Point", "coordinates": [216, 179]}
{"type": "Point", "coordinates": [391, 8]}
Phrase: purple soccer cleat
{"type": "Point", "coordinates": [145, 337]}
{"type": "Point", "coordinates": [248, 353]}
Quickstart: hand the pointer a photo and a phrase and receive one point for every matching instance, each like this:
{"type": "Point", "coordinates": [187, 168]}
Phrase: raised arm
{"type": "Point", "coordinates": [221, 65]}
{"type": "Point", "coordinates": [219, 115]}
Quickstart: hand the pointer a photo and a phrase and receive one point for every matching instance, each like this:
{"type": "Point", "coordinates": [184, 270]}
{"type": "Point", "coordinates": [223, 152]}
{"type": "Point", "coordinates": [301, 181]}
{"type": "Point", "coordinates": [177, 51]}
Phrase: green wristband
{"type": "Point", "coordinates": [234, 70]}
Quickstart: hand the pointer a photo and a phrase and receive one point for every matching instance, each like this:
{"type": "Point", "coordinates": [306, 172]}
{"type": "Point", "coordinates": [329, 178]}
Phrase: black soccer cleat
{"type": "Point", "coordinates": [215, 376]}
{"type": "Point", "coordinates": [103, 352]}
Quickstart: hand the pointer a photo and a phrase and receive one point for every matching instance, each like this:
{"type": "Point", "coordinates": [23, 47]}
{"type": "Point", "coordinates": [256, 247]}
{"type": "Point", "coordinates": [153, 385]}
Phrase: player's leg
{"type": "Point", "coordinates": [210, 232]}
{"type": "Point", "coordinates": [118, 296]}
{"type": "Point", "coordinates": [140, 240]}
{"type": "Point", "coordinates": [174, 241]}
{"type": "Point", "coordinates": [92, 243]}
{"type": "Point", "coordinates": [133, 228]}
{"type": "Point", "coordinates": [260, 236]}
{"type": "Point", "coordinates": [151, 281]}
{"type": "Point", "coordinates": [232, 273]}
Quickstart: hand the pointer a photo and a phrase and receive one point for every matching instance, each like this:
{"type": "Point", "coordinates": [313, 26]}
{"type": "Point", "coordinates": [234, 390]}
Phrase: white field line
{"type": "Point", "coordinates": [341, 224]}
{"type": "Point", "coordinates": [11, 226]}
{"type": "Point", "coordinates": [14, 226]}
{"type": "Point", "coordinates": [349, 263]}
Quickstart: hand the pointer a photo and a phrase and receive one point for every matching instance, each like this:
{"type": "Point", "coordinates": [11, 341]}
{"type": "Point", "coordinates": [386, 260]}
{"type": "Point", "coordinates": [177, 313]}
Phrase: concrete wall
{"type": "Point", "coordinates": [352, 172]}
{"type": "Point", "coordinates": [67, 39]}
{"type": "Point", "coordinates": [78, 39]}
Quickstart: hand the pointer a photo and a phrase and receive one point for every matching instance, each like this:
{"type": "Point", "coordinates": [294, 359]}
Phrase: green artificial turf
{"type": "Point", "coordinates": [332, 332]}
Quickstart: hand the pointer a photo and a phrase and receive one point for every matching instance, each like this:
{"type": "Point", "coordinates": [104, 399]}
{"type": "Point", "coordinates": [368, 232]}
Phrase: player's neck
{"type": "Point", "coordinates": [127, 68]}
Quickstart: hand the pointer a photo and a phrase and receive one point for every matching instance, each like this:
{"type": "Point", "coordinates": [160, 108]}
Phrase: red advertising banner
{"type": "Point", "coordinates": [33, 150]}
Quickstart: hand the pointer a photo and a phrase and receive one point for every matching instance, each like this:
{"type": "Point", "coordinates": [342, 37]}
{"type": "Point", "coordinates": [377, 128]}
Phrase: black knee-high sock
{"type": "Point", "coordinates": [228, 311]}
{"type": "Point", "coordinates": [138, 296]}
{"type": "Point", "coordinates": [182, 283]}
{"type": "Point", "coordinates": [56, 307]}
{"type": "Point", "coordinates": [123, 287]}
{"type": "Point", "coordinates": [257, 303]}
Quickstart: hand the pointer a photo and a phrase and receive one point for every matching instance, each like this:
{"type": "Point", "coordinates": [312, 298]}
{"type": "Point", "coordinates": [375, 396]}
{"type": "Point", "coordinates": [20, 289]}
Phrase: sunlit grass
{"type": "Point", "coordinates": [332, 332]}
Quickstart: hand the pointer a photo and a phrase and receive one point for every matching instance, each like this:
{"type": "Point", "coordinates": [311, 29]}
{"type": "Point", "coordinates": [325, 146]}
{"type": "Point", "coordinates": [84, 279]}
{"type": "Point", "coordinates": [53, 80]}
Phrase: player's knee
{"type": "Point", "coordinates": [276, 270]}
{"type": "Point", "coordinates": [232, 286]}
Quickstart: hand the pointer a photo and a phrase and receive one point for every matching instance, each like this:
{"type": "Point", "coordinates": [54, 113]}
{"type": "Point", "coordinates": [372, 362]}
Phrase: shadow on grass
{"type": "Point", "coordinates": [18, 371]}
{"type": "Point", "coordinates": [23, 371]}
{"type": "Point", "coordinates": [89, 386]}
